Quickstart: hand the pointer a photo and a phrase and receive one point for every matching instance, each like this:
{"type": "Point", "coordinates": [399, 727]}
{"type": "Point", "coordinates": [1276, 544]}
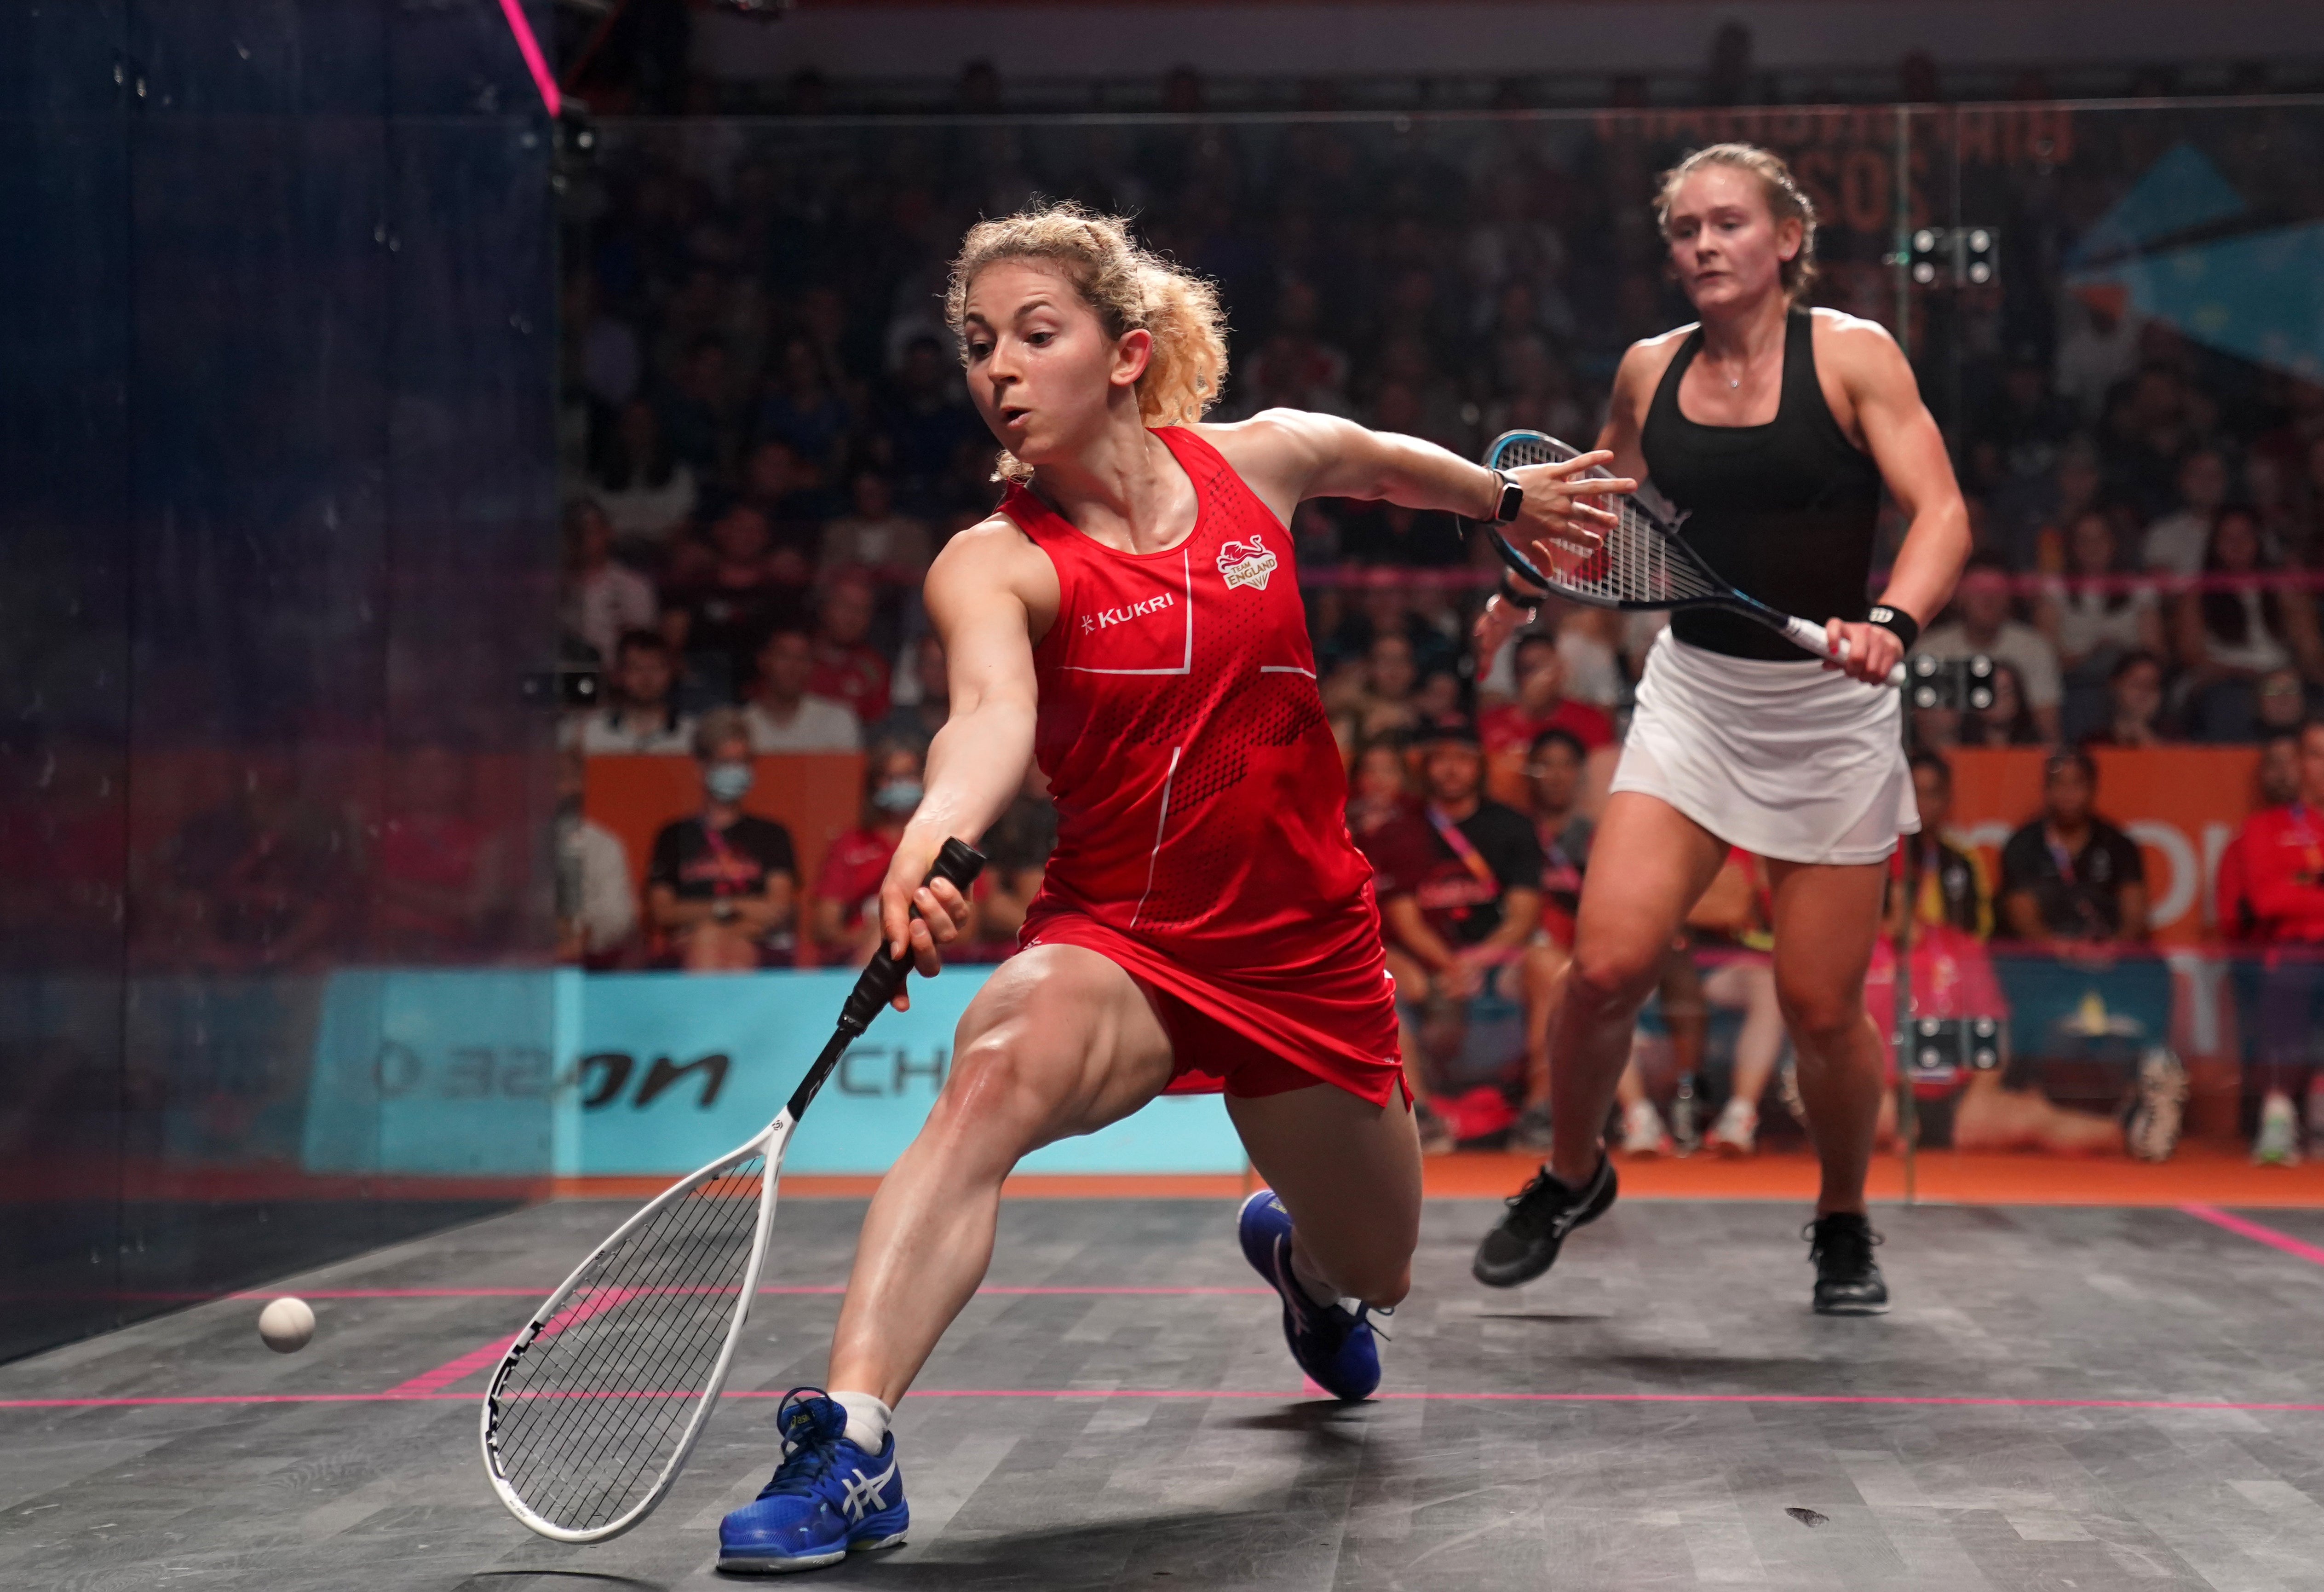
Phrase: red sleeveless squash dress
{"type": "Point", "coordinates": [1202, 845]}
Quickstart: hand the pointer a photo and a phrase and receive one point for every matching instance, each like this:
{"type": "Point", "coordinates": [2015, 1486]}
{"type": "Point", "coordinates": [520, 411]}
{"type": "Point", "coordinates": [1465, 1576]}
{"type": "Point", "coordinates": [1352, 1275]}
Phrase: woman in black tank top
{"type": "Point", "coordinates": [1773, 429]}
{"type": "Point", "coordinates": [1786, 511]}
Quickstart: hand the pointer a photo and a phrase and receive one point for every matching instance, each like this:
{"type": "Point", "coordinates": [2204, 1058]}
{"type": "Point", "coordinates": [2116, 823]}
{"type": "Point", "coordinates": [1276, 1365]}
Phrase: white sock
{"type": "Point", "coordinates": [867, 1420]}
{"type": "Point", "coordinates": [1322, 1293]}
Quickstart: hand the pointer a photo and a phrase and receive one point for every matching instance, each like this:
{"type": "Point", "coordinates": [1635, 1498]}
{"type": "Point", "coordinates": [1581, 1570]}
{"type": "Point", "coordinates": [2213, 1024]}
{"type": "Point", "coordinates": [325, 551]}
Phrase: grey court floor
{"type": "Point", "coordinates": [2062, 1398]}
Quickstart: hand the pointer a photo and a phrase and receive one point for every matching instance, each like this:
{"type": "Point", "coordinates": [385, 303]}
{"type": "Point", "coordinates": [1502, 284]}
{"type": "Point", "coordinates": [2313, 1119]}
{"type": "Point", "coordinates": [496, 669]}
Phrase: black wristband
{"type": "Point", "coordinates": [1903, 625]}
{"type": "Point", "coordinates": [1517, 599]}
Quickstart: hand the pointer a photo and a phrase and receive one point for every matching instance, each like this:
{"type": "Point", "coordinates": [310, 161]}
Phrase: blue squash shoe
{"type": "Point", "coordinates": [1335, 1345]}
{"type": "Point", "coordinates": [828, 1498]}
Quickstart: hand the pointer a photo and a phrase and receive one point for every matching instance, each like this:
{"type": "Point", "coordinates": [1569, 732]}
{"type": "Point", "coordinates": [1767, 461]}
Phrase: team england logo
{"type": "Point", "coordinates": [1246, 563]}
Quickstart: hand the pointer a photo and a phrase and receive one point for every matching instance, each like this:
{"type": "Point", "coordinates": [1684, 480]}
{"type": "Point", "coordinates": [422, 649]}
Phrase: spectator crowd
{"type": "Point", "coordinates": [768, 440]}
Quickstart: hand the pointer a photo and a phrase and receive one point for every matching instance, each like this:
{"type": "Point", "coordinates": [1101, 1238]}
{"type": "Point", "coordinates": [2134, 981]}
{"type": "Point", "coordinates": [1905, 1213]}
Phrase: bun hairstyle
{"type": "Point", "coordinates": [1786, 202]}
{"type": "Point", "coordinates": [1128, 288]}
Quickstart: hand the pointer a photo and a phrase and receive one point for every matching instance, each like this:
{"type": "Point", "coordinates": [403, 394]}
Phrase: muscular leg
{"type": "Point", "coordinates": [1648, 865]}
{"type": "Point", "coordinates": [1349, 1173]}
{"type": "Point", "coordinates": [1059, 1041]}
{"type": "Point", "coordinates": [1826, 915]}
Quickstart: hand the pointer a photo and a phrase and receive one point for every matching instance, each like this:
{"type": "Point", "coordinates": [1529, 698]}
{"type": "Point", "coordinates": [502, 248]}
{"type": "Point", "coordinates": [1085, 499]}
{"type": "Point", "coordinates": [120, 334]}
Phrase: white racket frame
{"type": "Point", "coordinates": [772, 1142]}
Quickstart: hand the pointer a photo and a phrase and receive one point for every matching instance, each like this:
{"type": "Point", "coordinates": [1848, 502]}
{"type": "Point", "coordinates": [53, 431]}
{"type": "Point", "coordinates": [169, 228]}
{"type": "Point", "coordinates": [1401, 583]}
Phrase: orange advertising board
{"type": "Point", "coordinates": [2181, 804]}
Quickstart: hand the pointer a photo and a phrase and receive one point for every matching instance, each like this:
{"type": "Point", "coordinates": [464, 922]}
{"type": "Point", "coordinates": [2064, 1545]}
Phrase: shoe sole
{"type": "Point", "coordinates": [1853, 1309]}
{"type": "Point", "coordinates": [779, 1567]}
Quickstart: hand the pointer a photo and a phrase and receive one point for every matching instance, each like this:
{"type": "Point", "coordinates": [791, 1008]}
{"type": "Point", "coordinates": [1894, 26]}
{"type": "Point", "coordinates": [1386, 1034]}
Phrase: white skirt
{"type": "Point", "coordinates": [1791, 761]}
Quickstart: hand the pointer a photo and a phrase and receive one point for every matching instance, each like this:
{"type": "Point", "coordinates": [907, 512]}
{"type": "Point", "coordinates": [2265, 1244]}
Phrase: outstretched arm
{"type": "Point", "coordinates": [977, 761]}
{"type": "Point", "coordinates": [1288, 455]}
{"type": "Point", "coordinates": [1910, 450]}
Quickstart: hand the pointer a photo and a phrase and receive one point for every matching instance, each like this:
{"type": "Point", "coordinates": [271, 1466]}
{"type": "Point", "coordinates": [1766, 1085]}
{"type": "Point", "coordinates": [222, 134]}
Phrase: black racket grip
{"type": "Point", "coordinates": [884, 975]}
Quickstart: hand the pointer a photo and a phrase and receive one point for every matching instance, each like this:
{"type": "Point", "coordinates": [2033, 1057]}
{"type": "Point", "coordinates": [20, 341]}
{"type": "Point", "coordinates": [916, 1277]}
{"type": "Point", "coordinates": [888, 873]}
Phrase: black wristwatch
{"type": "Point", "coordinates": [1511, 500]}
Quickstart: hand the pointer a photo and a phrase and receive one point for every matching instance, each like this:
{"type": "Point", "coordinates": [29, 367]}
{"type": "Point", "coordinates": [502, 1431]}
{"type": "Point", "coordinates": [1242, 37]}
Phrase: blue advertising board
{"type": "Point", "coordinates": [655, 1073]}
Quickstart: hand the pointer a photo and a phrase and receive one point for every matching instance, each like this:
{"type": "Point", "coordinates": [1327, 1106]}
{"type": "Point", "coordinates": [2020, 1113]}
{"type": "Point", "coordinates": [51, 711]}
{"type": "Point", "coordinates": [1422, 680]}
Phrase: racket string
{"type": "Point", "coordinates": [1636, 563]}
{"type": "Point", "coordinates": [594, 1409]}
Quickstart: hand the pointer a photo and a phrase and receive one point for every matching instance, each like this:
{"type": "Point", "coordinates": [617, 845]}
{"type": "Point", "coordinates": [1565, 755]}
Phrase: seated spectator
{"type": "Point", "coordinates": [2282, 698]}
{"type": "Point", "coordinates": [1460, 891]}
{"type": "Point", "coordinates": [597, 909]}
{"type": "Point", "coordinates": [1017, 848]}
{"type": "Point", "coordinates": [894, 548]}
{"type": "Point", "coordinates": [801, 407]}
{"type": "Point", "coordinates": [2091, 618]}
{"type": "Point", "coordinates": [259, 883]}
{"type": "Point", "coordinates": [698, 413]}
{"type": "Point", "coordinates": [646, 492]}
{"type": "Point", "coordinates": [1555, 766]}
{"type": "Point", "coordinates": [2281, 859]}
{"type": "Point", "coordinates": [916, 723]}
{"type": "Point", "coordinates": [782, 715]}
{"type": "Point", "coordinates": [2177, 542]}
{"type": "Point", "coordinates": [1982, 624]}
{"type": "Point", "coordinates": [601, 600]}
{"type": "Point", "coordinates": [2084, 987]}
{"type": "Point", "coordinates": [727, 604]}
{"type": "Point", "coordinates": [783, 488]}
{"type": "Point", "coordinates": [1953, 977]}
{"type": "Point", "coordinates": [2009, 722]}
{"type": "Point", "coordinates": [2134, 703]}
{"type": "Point", "coordinates": [1439, 698]}
{"type": "Point", "coordinates": [924, 423]}
{"type": "Point", "coordinates": [847, 668]}
{"type": "Point", "coordinates": [443, 877]}
{"type": "Point", "coordinates": [846, 916]}
{"type": "Point", "coordinates": [1541, 703]}
{"type": "Point", "coordinates": [721, 889]}
{"type": "Point", "coordinates": [1380, 795]}
{"type": "Point", "coordinates": [2238, 628]}
{"type": "Point", "coordinates": [1382, 704]}
{"type": "Point", "coordinates": [637, 715]}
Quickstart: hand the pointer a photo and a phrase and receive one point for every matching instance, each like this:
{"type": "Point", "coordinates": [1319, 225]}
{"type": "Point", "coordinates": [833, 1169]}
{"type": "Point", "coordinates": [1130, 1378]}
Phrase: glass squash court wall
{"type": "Point", "coordinates": [2087, 292]}
{"type": "Point", "coordinates": [278, 517]}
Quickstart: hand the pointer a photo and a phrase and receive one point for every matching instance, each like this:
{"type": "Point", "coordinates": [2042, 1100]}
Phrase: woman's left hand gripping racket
{"type": "Point", "coordinates": [1643, 562]}
{"type": "Point", "coordinates": [598, 1401]}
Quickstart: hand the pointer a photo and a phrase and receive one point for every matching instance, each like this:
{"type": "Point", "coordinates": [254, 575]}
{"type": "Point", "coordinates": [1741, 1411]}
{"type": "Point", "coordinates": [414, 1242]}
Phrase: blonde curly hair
{"type": "Point", "coordinates": [1786, 202]}
{"type": "Point", "coordinates": [1127, 287]}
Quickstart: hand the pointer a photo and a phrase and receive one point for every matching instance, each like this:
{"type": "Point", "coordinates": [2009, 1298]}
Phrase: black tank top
{"type": "Point", "coordinates": [1784, 510]}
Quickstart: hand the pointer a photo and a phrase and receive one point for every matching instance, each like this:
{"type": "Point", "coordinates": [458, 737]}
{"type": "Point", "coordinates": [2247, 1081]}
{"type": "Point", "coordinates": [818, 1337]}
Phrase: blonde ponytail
{"type": "Point", "coordinates": [1126, 287]}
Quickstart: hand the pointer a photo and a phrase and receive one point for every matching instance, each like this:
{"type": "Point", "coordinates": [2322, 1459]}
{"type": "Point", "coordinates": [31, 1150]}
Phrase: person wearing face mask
{"type": "Point", "coordinates": [721, 887]}
{"type": "Point", "coordinates": [845, 931]}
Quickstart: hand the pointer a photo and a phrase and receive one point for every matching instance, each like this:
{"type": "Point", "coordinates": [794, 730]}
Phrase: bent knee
{"type": "Point", "coordinates": [1605, 983]}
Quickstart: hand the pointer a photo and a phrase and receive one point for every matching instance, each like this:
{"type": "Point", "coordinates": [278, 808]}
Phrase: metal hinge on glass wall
{"type": "Point", "coordinates": [1969, 256]}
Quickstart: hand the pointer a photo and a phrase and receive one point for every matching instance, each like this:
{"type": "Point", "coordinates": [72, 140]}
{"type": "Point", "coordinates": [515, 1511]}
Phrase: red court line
{"type": "Point", "coordinates": [2256, 1232]}
{"type": "Point", "coordinates": [594, 1302]}
{"type": "Point", "coordinates": [1277, 1395]}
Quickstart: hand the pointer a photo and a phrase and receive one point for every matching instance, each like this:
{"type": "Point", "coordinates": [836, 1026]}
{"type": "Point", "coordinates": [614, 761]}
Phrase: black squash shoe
{"type": "Point", "coordinates": [1525, 1242]}
{"type": "Point", "coordinates": [1848, 1282]}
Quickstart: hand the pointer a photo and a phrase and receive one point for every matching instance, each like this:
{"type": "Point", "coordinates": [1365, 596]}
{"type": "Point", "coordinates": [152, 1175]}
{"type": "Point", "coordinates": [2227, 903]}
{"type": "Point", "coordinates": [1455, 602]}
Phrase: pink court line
{"type": "Point", "coordinates": [772, 1288]}
{"type": "Point", "coordinates": [2256, 1232]}
{"type": "Point", "coordinates": [1272, 1395]}
{"type": "Point", "coordinates": [485, 1356]}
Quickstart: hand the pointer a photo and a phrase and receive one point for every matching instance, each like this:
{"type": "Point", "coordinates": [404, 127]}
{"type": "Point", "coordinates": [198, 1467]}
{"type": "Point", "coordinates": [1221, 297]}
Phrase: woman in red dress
{"type": "Point", "coordinates": [1131, 615]}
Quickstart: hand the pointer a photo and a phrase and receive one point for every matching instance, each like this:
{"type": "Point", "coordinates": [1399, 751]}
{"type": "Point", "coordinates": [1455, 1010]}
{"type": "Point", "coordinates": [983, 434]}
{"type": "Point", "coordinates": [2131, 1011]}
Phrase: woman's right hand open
{"type": "Point", "coordinates": [942, 909]}
{"type": "Point", "coordinates": [1560, 523]}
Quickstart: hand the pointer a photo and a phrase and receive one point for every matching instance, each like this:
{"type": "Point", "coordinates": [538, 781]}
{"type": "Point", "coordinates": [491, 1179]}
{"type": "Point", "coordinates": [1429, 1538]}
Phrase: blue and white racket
{"type": "Point", "coordinates": [1643, 563]}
